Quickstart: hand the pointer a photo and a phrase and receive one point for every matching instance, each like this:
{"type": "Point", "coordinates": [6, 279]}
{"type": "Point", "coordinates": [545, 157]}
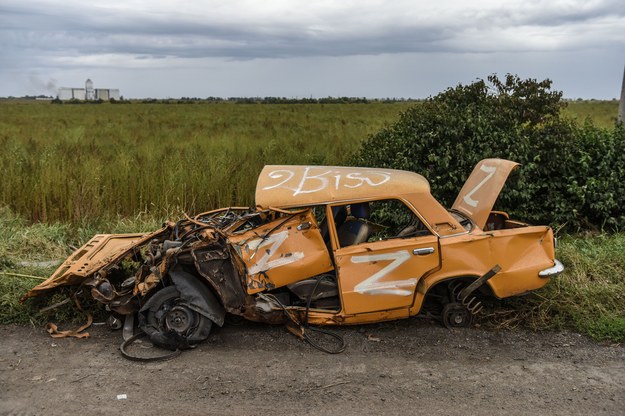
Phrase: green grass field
{"type": "Point", "coordinates": [70, 171]}
{"type": "Point", "coordinates": [602, 113]}
{"type": "Point", "coordinates": [82, 162]}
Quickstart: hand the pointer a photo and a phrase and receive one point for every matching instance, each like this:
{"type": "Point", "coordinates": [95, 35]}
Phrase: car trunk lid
{"type": "Point", "coordinates": [479, 193]}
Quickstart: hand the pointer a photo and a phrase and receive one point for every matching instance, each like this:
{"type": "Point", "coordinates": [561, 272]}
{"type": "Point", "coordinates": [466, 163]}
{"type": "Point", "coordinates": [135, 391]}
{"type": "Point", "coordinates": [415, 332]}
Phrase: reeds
{"type": "Point", "coordinates": [77, 163]}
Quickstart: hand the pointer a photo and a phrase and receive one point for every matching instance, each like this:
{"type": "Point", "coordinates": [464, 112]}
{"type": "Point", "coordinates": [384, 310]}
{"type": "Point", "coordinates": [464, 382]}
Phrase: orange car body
{"type": "Point", "coordinates": [262, 263]}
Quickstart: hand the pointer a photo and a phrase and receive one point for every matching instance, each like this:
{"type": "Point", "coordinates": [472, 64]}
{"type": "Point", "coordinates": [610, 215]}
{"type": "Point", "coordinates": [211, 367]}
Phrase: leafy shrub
{"type": "Point", "coordinates": [572, 175]}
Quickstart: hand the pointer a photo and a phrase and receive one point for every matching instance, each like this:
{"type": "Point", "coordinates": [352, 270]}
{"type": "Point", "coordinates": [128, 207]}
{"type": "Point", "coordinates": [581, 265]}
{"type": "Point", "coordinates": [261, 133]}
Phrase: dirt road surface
{"type": "Point", "coordinates": [397, 368]}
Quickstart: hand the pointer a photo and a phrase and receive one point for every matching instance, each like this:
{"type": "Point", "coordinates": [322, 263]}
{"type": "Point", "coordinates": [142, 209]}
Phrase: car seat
{"type": "Point", "coordinates": [356, 230]}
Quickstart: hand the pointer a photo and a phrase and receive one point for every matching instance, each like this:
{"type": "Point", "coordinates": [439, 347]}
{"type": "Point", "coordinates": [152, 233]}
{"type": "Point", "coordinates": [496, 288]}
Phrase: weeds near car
{"type": "Point", "coordinates": [589, 296]}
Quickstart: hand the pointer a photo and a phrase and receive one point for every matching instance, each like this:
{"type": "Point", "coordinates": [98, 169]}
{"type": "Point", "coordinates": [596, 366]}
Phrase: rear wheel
{"type": "Point", "coordinates": [171, 323]}
{"type": "Point", "coordinates": [456, 315]}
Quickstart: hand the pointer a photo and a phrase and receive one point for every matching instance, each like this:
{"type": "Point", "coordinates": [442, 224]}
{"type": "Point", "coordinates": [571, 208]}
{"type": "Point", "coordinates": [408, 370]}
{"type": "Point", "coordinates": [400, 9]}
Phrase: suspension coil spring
{"type": "Point", "coordinates": [456, 288]}
{"type": "Point", "coordinates": [470, 302]}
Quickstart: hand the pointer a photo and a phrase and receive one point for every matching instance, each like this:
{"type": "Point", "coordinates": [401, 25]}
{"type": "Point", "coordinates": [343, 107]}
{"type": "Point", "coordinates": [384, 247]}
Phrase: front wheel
{"type": "Point", "coordinates": [172, 323]}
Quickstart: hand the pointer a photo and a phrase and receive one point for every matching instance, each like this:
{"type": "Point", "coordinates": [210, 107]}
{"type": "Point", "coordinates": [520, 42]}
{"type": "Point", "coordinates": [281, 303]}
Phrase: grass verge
{"type": "Point", "coordinates": [589, 297]}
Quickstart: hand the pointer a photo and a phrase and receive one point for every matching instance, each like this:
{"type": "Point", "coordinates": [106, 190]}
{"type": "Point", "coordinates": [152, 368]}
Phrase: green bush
{"type": "Point", "coordinates": [572, 175]}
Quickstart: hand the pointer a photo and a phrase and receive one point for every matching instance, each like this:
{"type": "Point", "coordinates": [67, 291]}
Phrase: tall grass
{"type": "Point", "coordinates": [82, 163]}
{"type": "Point", "coordinates": [602, 113]}
{"type": "Point", "coordinates": [76, 162]}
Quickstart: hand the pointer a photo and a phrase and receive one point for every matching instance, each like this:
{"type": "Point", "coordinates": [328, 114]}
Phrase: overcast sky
{"type": "Point", "coordinates": [359, 48]}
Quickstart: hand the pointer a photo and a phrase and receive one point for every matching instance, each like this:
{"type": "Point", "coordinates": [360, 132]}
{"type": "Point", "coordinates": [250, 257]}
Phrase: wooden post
{"type": "Point", "coordinates": [621, 106]}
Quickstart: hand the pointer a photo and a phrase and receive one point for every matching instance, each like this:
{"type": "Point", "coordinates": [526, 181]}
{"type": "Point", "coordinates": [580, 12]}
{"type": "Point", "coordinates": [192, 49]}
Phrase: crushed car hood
{"type": "Point", "coordinates": [100, 251]}
{"type": "Point", "coordinates": [479, 193]}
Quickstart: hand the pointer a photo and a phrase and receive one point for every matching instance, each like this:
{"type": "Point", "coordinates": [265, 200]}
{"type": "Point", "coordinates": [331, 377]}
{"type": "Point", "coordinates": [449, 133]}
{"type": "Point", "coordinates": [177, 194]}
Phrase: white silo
{"type": "Point", "coordinates": [90, 92]}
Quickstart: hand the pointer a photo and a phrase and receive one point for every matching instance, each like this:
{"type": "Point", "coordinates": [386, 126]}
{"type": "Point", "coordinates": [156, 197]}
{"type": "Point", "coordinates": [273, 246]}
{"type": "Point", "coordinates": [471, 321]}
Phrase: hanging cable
{"type": "Point", "coordinates": [306, 326]}
{"type": "Point", "coordinates": [123, 349]}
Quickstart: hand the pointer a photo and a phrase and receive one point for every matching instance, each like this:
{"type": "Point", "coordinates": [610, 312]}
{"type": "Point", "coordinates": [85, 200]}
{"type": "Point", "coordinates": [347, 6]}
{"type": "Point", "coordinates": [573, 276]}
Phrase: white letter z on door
{"type": "Point", "coordinates": [372, 285]}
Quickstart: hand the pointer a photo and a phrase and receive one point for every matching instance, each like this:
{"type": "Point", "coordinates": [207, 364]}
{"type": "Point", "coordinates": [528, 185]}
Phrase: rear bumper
{"type": "Point", "coordinates": [552, 271]}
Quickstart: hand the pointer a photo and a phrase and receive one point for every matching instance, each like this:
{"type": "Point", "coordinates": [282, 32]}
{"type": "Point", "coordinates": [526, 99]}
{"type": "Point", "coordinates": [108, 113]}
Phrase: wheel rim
{"type": "Point", "coordinates": [455, 315]}
{"type": "Point", "coordinates": [179, 319]}
{"type": "Point", "coordinates": [457, 319]}
{"type": "Point", "coordinates": [170, 323]}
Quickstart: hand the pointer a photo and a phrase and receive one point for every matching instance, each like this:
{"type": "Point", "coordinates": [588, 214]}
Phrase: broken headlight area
{"type": "Point", "coordinates": [122, 271]}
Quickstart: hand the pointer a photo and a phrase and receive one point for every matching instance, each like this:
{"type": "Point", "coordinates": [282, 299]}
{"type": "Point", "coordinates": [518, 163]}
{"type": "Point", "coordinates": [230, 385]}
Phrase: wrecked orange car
{"type": "Point", "coordinates": [323, 246]}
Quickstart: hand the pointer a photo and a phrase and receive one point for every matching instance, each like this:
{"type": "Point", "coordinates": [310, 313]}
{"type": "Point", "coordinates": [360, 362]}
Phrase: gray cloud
{"type": "Point", "coordinates": [38, 36]}
{"type": "Point", "coordinates": [90, 30]}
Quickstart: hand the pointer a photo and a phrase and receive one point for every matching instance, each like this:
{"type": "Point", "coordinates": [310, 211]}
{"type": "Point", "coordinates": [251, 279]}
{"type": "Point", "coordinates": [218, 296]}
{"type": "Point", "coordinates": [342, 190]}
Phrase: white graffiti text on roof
{"type": "Point", "coordinates": [310, 182]}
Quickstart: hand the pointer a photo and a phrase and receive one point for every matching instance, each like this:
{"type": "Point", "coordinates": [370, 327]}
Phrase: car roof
{"type": "Point", "coordinates": [285, 186]}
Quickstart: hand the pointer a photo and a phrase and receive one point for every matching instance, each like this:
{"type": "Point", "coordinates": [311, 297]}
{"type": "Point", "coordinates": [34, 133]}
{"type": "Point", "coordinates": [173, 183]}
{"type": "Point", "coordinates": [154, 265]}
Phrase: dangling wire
{"type": "Point", "coordinates": [123, 348]}
{"type": "Point", "coordinates": [305, 327]}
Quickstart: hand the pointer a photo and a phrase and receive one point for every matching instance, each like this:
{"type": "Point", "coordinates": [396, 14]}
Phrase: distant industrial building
{"type": "Point", "coordinates": [88, 93]}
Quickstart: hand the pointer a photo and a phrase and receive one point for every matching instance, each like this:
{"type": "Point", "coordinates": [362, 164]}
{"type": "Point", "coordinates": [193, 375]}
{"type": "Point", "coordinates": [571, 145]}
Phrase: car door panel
{"type": "Point", "coordinates": [282, 252]}
{"type": "Point", "coordinates": [383, 275]}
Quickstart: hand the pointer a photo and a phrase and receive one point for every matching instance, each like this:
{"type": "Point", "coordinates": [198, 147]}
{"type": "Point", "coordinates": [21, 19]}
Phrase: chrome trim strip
{"type": "Point", "coordinates": [453, 235]}
{"type": "Point", "coordinates": [552, 271]}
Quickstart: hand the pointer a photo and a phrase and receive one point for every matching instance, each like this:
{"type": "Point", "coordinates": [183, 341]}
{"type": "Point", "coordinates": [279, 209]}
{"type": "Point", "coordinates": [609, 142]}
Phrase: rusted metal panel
{"type": "Point", "coordinates": [100, 251]}
{"type": "Point", "coordinates": [282, 252]}
{"type": "Point", "coordinates": [214, 263]}
{"type": "Point", "coordinates": [325, 318]}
